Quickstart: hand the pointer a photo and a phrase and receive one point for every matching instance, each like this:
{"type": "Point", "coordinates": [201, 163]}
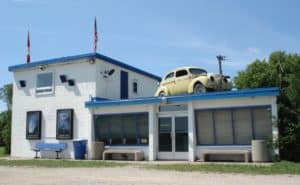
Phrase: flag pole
{"type": "Point", "coordinates": [28, 48]}
{"type": "Point", "coordinates": [95, 35]}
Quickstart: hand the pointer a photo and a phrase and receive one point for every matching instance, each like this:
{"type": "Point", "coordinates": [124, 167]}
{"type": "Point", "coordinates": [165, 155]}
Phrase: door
{"type": "Point", "coordinates": [173, 138]}
{"type": "Point", "coordinates": [181, 81]}
{"type": "Point", "coordinates": [124, 85]}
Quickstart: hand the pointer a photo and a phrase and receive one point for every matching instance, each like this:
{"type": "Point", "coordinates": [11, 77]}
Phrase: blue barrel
{"type": "Point", "coordinates": [79, 148]}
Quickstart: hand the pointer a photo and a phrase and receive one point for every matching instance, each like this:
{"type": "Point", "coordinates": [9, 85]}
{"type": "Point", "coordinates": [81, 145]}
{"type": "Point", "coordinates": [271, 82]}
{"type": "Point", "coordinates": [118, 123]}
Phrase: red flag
{"type": "Point", "coordinates": [95, 35]}
{"type": "Point", "coordinates": [28, 49]}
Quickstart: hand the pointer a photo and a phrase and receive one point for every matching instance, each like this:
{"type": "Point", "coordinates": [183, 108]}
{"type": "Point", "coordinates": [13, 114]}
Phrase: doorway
{"type": "Point", "coordinates": [173, 137]}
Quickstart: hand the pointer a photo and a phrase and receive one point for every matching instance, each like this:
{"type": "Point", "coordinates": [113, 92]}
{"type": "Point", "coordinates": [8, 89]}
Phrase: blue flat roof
{"type": "Point", "coordinates": [272, 91]}
{"type": "Point", "coordinates": [75, 58]}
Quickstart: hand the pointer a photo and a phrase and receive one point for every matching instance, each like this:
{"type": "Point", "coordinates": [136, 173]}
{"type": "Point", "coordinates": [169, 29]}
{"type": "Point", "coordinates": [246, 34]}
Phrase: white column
{"type": "Point", "coordinates": [152, 133]}
{"type": "Point", "coordinates": [275, 126]}
{"type": "Point", "coordinates": [91, 136]}
{"type": "Point", "coordinates": [191, 131]}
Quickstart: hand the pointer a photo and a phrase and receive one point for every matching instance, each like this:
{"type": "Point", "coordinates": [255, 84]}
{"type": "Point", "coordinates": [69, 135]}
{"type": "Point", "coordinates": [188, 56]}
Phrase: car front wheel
{"type": "Point", "coordinates": [199, 88]}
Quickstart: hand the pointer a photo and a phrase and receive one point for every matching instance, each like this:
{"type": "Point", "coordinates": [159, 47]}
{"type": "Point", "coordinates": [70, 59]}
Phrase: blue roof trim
{"type": "Point", "coordinates": [273, 91]}
{"type": "Point", "coordinates": [79, 57]}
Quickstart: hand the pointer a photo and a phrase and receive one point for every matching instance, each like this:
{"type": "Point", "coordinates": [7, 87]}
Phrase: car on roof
{"type": "Point", "coordinates": [192, 80]}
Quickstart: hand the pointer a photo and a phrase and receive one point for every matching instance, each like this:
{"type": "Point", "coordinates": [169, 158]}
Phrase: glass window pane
{"type": "Point", "coordinates": [242, 126]}
{"type": "Point", "coordinates": [116, 135]}
{"type": "Point", "coordinates": [181, 134]}
{"type": "Point", "coordinates": [165, 140]}
{"type": "Point", "coordinates": [205, 129]}
{"type": "Point", "coordinates": [129, 126]}
{"type": "Point", "coordinates": [262, 123]}
{"type": "Point", "coordinates": [181, 124]}
{"type": "Point", "coordinates": [102, 129]}
{"type": "Point", "coordinates": [44, 80]}
{"type": "Point", "coordinates": [223, 125]}
{"type": "Point", "coordinates": [143, 130]}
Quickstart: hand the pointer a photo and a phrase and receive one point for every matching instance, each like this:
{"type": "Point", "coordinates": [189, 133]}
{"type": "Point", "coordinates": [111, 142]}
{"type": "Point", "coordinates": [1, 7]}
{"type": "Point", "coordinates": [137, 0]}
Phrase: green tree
{"type": "Point", "coordinates": [281, 70]}
{"type": "Point", "coordinates": [6, 93]}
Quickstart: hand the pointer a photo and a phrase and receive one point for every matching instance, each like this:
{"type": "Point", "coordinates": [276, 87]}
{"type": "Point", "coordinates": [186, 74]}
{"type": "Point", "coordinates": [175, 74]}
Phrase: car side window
{"type": "Point", "coordinates": [181, 73]}
{"type": "Point", "coordinates": [170, 75]}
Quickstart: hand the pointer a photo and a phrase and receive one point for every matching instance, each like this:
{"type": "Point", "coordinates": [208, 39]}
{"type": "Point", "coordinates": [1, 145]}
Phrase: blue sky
{"type": "Point", "coordinates": [153, 35]}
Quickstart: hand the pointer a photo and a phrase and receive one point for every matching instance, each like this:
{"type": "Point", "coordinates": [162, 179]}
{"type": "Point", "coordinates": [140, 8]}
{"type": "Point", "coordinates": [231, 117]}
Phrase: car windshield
{"type": "Point", "coordinates": [197, 71]}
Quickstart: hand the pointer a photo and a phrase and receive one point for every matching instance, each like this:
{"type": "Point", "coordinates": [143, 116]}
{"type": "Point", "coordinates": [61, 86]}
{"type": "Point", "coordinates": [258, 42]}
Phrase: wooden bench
{"type": "Point", "coordinates": [55, 147]}
{"type": "Point", "coordinates": [245, 153]}
{"type": "Point", "coordinates": [137, 154]}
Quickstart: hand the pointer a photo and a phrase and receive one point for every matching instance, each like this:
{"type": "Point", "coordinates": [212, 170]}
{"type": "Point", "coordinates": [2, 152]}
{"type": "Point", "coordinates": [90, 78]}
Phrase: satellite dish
{"type": "Point", "coordinates": [111, 72]}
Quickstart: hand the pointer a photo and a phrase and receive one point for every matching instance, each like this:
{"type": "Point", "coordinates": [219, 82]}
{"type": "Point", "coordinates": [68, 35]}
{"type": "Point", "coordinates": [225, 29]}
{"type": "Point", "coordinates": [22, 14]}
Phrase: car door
{"type": "Point", "coordinates": [169, 82]}
{"type": "Point", "coordinates": [181, 81]}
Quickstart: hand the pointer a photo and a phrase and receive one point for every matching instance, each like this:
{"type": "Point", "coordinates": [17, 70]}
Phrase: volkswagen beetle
{"type": "Point", "coordinates": [192, 80]}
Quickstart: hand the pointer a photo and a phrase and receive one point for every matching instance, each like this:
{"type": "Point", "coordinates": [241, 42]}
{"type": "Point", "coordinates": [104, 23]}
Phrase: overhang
{"type": "Point", "coordinates": [272, 91]}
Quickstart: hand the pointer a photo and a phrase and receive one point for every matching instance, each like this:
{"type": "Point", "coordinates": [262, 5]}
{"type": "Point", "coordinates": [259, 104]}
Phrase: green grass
{"type": "Point", "coordinates": [276, 168]}
{"type": "Point", "coordinates": [2, 152]}
{"type": "Point", "coordinates": [60, 163]}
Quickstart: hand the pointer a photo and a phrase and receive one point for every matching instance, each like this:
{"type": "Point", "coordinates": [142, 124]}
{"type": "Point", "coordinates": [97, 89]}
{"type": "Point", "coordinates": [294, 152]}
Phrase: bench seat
{"type": "Point", "coordinates": [138, 155]}
{"type": "Point", "coordinates": [55, 147]}
{"type": "Point", "coordinates": [245, 153]}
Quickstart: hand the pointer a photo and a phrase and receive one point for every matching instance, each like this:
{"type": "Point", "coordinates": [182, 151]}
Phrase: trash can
{"type": "Point", "coordinates": [79, 146]}
{"type": "Point", "coordinates": [259, 151]}
{"type": "Point", "coordinates": [97, 149]}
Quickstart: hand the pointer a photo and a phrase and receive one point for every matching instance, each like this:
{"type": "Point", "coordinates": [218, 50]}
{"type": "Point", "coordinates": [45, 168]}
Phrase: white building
{"type": "Point", "coordinates": [164, 128]}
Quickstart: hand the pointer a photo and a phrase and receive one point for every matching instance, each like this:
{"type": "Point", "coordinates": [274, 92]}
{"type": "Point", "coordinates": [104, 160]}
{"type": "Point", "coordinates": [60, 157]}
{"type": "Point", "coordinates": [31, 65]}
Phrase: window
{"type": "Point", "coordinates": [170, 75]}
{"type": "Point", "coordinates": [197, 71]}
{"type": "Point", "coordinates": [122, 129]}
{"type": "Point", "coordinates": [33, 125]}
{"type": "Point", "coordinates": [233, 126]}
{"type": "Point", "coordinates": [44, 83]}
{"type": "Point", "coordinates": [181, 73]}
{"type": "Point", "coordinates": [135, 87]}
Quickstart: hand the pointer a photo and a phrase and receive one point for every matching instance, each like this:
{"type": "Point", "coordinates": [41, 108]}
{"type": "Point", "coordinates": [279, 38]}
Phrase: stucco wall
{"type": "Point", "coordinates": [64, 96]}
{"type": "Point", "coordinates": [110, 87]}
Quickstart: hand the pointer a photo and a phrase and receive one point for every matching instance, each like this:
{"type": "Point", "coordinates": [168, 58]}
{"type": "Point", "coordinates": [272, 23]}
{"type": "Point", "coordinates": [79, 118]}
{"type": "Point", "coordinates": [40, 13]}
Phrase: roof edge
{"type": "Point", "coordinates": [61, 60]}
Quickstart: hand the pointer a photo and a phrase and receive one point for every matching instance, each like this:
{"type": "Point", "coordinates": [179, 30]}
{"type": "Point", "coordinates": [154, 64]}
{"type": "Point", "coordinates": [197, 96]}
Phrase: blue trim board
{"type": "Point", "coordinates": [273, 91]}
{"type": "Point", "coordinates": [76, 58]}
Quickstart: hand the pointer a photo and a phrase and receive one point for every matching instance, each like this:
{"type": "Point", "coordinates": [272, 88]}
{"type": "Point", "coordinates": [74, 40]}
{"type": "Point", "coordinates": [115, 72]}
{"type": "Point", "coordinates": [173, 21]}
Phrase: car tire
{"type": "Point", "coordinates": [161, 93]}
{"type": "Point", "coordinates": [199, 88]}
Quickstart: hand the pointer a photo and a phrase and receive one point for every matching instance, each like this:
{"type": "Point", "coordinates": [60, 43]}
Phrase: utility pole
{"type": "Point", "coordinates": [221, 58]}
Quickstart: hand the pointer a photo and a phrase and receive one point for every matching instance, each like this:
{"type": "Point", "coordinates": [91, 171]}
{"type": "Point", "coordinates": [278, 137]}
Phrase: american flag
{"type": "Point", "coordinates": [95, 35]}
{"type": "Point", "coordinates": [28, 49]}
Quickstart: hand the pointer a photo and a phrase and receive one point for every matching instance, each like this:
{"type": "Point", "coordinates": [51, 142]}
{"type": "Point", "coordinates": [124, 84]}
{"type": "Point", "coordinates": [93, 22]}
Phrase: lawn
{"type": "Point", "coordinates": [276, 168]}
{"type": "Point", "coordinates": [2, 152]}
{"type": "Point", "coordinates": [60, 163]}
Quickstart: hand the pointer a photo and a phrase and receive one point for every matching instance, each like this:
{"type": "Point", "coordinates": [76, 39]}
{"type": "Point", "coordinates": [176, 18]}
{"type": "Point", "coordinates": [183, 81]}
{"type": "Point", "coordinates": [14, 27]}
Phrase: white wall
{"type": "Point", "coordinates": [89, 83]}
{"type": "Point", "coordinates": [110, 87]}
{"type": "Point", "coordinates": [64, 96]}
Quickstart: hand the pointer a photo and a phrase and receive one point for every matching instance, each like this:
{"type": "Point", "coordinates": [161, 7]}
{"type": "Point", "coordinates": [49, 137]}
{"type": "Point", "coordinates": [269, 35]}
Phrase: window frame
{"type": "Point", "coordinates": [50, 88]}
{"type": "Point", "coordinates": [170, 75]}
{"type": "Point", "coordinates": [187, 73]}
{"type": "Point", "coordinates": [139, 136]}
{"type": "Point", "coordinates": [135, 87]}
{"type": "Point", "coordinates": [251, 108]}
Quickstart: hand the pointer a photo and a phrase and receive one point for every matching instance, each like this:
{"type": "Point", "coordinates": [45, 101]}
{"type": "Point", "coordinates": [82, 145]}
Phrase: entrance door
{"type": "Point", "coordinates": [173, 138]}
{"type": "Point", "coordinates": [124, 85]}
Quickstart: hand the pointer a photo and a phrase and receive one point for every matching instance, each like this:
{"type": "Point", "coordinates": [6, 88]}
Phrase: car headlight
{"type": "Point", "coordinates": [212, 78]}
